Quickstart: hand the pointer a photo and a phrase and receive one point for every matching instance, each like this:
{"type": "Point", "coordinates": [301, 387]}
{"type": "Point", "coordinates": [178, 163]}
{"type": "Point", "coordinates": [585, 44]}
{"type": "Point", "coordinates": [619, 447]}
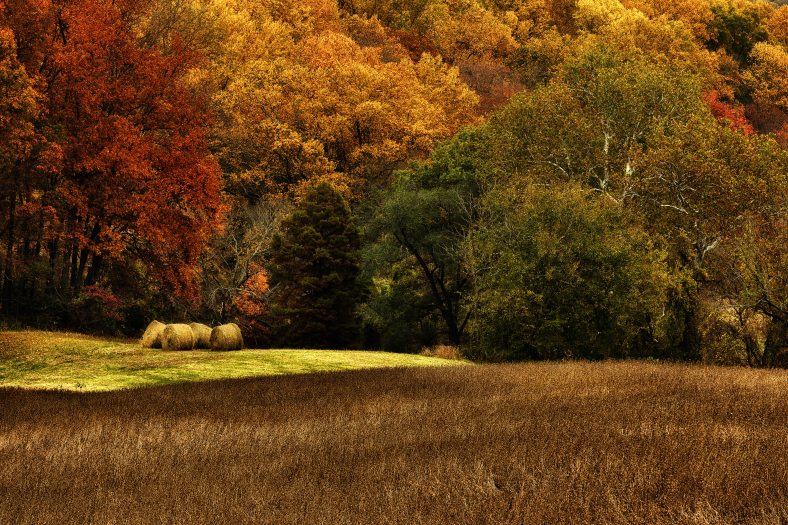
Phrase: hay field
{"type": "Point", "coordinates": [56, 360]}
{"type": "Point", "coordinates": [543, 443]}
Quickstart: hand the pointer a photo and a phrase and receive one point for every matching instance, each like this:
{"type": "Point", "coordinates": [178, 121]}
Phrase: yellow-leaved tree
{"type": "Point", "coordinates": [303, 95]}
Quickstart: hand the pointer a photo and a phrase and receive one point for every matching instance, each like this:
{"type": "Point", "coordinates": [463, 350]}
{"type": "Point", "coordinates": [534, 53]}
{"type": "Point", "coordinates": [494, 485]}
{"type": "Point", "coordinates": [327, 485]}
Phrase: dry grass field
{"type": "Point", "coordinates": [542, 443]}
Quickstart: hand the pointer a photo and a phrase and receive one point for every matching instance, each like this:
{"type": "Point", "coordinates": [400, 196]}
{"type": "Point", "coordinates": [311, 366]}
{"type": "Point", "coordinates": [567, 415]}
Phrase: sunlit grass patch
{"type": "Point", "coordinates": [66, 361]}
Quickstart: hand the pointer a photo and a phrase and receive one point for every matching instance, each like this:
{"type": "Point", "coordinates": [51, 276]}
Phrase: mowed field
{"type": "Point", "coordinates": [542, 443]}
{"type": "Point", "coordinates": [66, 361]}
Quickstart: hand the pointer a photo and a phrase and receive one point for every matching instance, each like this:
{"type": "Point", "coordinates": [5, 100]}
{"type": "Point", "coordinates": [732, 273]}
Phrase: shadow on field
{"type": "Point", "coordinates": [534, 443]}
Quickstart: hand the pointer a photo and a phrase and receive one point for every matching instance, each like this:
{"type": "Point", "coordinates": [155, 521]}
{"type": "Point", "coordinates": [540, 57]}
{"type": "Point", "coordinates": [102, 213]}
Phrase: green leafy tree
{"type": "Point", "coordinates": [757, 283]}
{"type": "Point", "coordinates": [417, 232]}
{"type": "Point", "coordinates": [314, 269]}
{"type": "Point", "coordinates": [560, 272]}
{"type": "Point", "coordinates": [639, 135]}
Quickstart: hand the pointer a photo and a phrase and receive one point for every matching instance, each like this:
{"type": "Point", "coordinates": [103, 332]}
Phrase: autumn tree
{"type": "Point", "coordinates": [756, 284]}
{"type": "Point", "coordinates": [561, 272]}
{"type": "Point", "coordinates": [614, 107]}
{"type": "Point", "coordinates": [640, 136]}
{"type": "Point", "coordinates": [736, 30]}
{"type": "Point", "coordinates": [19, 107]}
{"type": "Point", "coordinates": [314, 269]}
{"type": "Point", "coordinates": [768, 75]}
{"type": "Point", "coordinates": [729, 112]}
{"type": "Point", "coordinates": [136, 187]}
{"type": "Point", "coordinates": [303, 96]}
{"type": "Point", "coordinates": [338, 113]}
{"type": "Point", "coordinates": [233, 267]}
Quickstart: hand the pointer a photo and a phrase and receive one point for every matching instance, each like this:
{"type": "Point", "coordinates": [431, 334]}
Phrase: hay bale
{"type": "Point", "coordinates": [152, 336]}
{"type": "Point", "coordinates": [202, 335]}
{"type": "Point", "coordinates": [227, 337]}
{"type": "Point", "coordinates": [177, 337]}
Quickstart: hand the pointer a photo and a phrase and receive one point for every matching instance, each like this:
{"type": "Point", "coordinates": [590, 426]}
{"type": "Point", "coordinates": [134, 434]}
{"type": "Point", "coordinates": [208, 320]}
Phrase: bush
{"type": "Point", "coordinates": [442, 352]}
{"type": "Point", "coordinates": [96, 309]}
{"type": "Point", "coordinates": [399, 315]}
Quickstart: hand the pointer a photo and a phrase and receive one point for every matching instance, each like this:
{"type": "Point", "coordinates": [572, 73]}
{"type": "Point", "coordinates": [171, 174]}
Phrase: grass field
{"type": "Point", "coordinates": [542, 443]}
{"type": "Point", "coordinates": [54, 360]}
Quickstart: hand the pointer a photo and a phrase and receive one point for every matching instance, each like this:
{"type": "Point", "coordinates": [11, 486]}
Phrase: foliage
{"type": "Point", "coordinates": [235, 284]}
{"type": "Point", "coordinates": [736, 31]}
{"type": "Point", "coordinates": [757, 283]}
{"type": "Point", "coordinates": [768, 75]}
{"type": "Point", "coordinates": [129, 180]}
{"type": "Point", "coordinates": [304, 96]}
{"type": "Point", "coordinates": [313, 269]}
{"type": "Point", "coordinates": [641, 136]}
{"type": "Point", "coordinates": [722, 110]}
{"type": "Point", "coordinates": [96, 310]}
{"type": "Point", "coordinates": [19, 108]}
{"type": "Point", "coordinates": [400, 314]}
{"type": "Point", "coordinates": [614, 106]}
{"type": "Point", "coordinates": [417, 230]}
{"type": "Point", "coordinates": [559, 273]}
{"type": "Point", "coordinates": [702, 180]}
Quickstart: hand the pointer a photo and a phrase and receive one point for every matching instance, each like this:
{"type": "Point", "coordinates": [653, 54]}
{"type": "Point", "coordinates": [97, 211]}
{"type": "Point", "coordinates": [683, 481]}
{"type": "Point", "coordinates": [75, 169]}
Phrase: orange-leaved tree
{"type": "Point", "coordinates": [136, 187]}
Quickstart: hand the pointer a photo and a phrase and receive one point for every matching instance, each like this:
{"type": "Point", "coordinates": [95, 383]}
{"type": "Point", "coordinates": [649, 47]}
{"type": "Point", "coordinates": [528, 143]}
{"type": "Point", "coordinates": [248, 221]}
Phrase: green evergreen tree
{"type": "Point", "coordinates": [314, 269]}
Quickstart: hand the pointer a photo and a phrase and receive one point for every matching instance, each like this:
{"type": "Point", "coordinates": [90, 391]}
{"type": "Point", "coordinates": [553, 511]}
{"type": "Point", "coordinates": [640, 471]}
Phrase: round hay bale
{"type": "Point", "coordinates": [177, 337]}
{"type": "Point", "coordinates": [202, 335]}
{"type": "Point", "coordinates": [152, 336]}
{"type": "Point", "coordinates": [227, 337]}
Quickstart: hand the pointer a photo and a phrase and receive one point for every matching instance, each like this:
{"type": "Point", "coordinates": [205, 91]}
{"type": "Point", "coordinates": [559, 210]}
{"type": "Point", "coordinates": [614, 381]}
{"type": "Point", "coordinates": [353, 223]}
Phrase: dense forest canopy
{"type": "Point", "coordinates": [523, 178]}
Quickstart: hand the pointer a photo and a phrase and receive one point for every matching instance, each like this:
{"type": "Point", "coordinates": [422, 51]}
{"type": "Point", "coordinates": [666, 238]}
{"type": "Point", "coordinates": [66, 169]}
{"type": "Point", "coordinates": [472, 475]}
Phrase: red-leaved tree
{"type": "Point", "coordinates": [135, 186]}
{"type": "Point", "coordinates": [725, 111]}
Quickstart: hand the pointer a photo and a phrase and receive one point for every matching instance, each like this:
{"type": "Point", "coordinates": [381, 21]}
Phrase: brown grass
{"type": "Point", "coordinates": [606, 443]}
{"type": "Point", "coordinates": [441, 351]}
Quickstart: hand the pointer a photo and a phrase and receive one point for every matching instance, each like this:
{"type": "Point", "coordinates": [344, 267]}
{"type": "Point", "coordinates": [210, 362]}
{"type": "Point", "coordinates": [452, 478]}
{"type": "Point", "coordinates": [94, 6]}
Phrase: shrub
{"type": "Point", "coordinates": [96, 309]}
{"type": "Point", "coordinates": [442, 352]}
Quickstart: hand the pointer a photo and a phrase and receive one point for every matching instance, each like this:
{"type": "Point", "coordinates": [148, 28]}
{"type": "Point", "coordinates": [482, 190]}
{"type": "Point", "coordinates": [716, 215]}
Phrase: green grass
{"type": "Point", "coordinates": [67, 361]}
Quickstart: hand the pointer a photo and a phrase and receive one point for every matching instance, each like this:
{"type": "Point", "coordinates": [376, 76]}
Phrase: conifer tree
{"type": "Point", "coordinates": [314, 267]}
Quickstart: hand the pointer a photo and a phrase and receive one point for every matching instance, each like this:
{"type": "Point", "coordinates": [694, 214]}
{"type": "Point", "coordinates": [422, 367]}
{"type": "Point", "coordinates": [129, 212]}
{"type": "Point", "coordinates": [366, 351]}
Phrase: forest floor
{"type": "Point", "coordinates": [535, 443]}
{"type": "Point", "coordinates": [67, 361]}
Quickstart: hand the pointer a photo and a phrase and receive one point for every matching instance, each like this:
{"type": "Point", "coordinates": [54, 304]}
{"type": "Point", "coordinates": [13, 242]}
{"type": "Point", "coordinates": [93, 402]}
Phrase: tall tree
{"type": "Point", "coordinates": [137, 187]}
{"type": "Point", "coordinates": [421, 222]}
{"type": "Point", "coordinates": [561, 272]}
{"type": "Point", "coordinates": [314, 269]}
{"type": "Point", "coordinates": [19, 107]}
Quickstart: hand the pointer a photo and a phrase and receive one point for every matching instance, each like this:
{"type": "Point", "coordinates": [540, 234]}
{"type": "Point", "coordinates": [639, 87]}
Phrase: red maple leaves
{"type": "Point", "coordinates": [136, 181]}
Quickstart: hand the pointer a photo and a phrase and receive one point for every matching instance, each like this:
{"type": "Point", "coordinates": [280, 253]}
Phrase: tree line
{"type": "Point", "coordinates": [528, 179]}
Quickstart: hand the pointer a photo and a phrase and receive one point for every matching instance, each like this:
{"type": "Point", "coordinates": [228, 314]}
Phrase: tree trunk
{"type": "Point", "coordinates": [775, 352]}
{"type": "Point", "coordinates": [78, 269]}
{"type": "Point", "coordinates": [690, 340]}
{"type": "Point", "coordinates": [95, 270]}
{"type": "Point", "coordinates": [8, 277]}
{"type": "Point", "coordinates": [54, 250]}
{"type": "Point", "coordinates": [74, 259]}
